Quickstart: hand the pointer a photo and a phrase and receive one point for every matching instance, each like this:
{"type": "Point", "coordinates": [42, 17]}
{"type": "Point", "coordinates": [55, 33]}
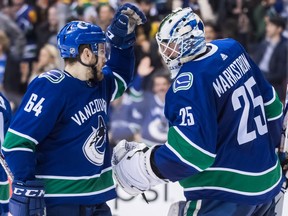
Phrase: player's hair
{"type": "Point", "coordinates": [278, 21]}
{"type": "Point", "coordinates": [161, 73]}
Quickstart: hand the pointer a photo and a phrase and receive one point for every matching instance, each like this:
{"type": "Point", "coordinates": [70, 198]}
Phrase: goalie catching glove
{"type": "Point", "coordinates": [121, 32]}
{"type": "Point", "coordinates": [132, 167]}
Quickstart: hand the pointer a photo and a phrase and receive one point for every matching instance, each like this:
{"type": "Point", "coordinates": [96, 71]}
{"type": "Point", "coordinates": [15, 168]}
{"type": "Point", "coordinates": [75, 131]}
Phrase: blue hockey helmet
{"type": "Point", "coordinates": [180, 38]}
{"type": "Point", "coordinates": [76, 33]}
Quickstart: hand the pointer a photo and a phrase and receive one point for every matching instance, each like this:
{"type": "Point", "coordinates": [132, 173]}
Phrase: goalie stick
{"type": "Point", "coordinates": [6, 168]}
{"type": "Point", "coordinates": [284, 137]}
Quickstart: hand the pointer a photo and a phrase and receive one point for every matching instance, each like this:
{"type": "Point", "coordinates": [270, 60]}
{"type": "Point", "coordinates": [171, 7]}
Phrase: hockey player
{"type": "Point", "coordinates": [57, 145]}
{"type": "Point", "coordinates": [5, 119]}
{"type": "Point", "coordinates": [225, 122]}
{"type": "Point", "coordinates": [147, 114]}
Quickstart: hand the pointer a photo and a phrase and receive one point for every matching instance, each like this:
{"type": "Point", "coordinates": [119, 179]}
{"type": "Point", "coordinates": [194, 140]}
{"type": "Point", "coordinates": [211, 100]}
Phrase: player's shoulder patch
{"type": "Point", "coordinates": [183, 82]}
{"type": "Point", "coordinates": [54, 76]}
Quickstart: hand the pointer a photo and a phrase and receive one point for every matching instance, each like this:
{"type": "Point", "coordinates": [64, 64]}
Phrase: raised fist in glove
{"type": "Point", "coordinates": [132, 168]}
{"type": "Point", "coordinates": [27, 198]}
{"type": "Point", "coordinates": [121, 32]}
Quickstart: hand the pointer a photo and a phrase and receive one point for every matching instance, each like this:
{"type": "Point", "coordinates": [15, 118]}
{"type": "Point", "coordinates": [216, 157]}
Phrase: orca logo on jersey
{"type": "Point", "coordinates": [183, 82]}
{"type": "Point", "coordinates": [94, 148]}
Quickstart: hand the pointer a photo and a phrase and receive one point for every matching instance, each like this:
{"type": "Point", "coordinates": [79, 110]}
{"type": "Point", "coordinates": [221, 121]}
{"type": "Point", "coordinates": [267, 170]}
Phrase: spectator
{"type": "Point", "coordinates": [15, 34]}
{"type": "Point", "coordinates": [149, 9]}
{"type": "Point", "coordinates": [163, 7]}
{"type": "Point", "coordinates": [85, 10]}
{"type": "Point", "coordinates": [271, 55]}
{"type": "Point", "coordinates": [194, 5]}
{"type": "Point", "coordinates": [211, 32]}
{"type": "Point", "coordinates": [64, 12]}
{"type": "Point", "coordinates": [121, 126]}
{"type": "Point", "coordinates": [41, 8]}
{"type": "Point", "coordinates": [12, 75]}
{"type": "Point", "coordinates": [147, 54]}
{"type": "Point", "coordinates": [47, 31]}
{"type": "Point", "coordinates": [105, 14]}
{"type": "Point", "coordinates": [4, 48]}
{"type": "Point", "coordinates": [262, 10]}
{"type": "Point", "coordinates": [26, 18]}
{"type": "Point", "coordinates": [206, 11]}
{"type": "Point", "coordinates": [90, 14]}
{"type": "Point", "coordinates": [48, 59]}
{"type": "Point", "coordinates": [148, 114]}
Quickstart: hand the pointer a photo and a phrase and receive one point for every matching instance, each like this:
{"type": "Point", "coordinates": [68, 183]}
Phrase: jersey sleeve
{"type": "Point", "coordinates": [191, 143]}
{"type": "Point", "coordinates": [119, 71]}
{"type": "Point", "coordinates": [35, 118]}
{"type": "Point", "coordinates": [5, 118]}
{"type": "Point", "coordinates": [6, 115]}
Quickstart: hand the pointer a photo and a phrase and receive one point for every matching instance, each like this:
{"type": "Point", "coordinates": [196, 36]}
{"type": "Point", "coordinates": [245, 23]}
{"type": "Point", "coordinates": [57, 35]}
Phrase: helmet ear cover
{"type": "Point", "coordinates": [76, 33]}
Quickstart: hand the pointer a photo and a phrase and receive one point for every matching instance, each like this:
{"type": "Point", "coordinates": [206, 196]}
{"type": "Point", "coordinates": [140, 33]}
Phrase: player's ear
{"type": "Point", "coordinates": [86, 55]}
{"type": "Point", "coordinates": [87, 52]}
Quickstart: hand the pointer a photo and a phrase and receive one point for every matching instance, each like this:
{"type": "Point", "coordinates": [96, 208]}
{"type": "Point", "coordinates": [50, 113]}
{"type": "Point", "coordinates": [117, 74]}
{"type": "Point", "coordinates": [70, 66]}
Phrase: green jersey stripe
{"type": "Point", "coordinates": [16, 140]}
{"type": "Point", "coordinates": [189, 151]}
{"type": "Point", "coordinates": [121, 86]}
{"type": "Point", "coordinates": [236, 182]}
{"type": "Point", "coordinates": [273, 109]}
{"type": "Point", "coordinates": [135, 95]}
{"type": "Point", "coordinates": [193, 207]}
{"type": "Point", "coordinates": [272, 99]}
{"type": "Point", "coordinates": [4, 192]}
{"type": "Point", "coordinates": [24, 136]}
{"type": "Point", "coordinates": [54, 186]}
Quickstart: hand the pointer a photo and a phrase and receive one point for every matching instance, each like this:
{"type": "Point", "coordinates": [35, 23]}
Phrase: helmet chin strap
{"type": "Point", "coordinates": [93, 81]}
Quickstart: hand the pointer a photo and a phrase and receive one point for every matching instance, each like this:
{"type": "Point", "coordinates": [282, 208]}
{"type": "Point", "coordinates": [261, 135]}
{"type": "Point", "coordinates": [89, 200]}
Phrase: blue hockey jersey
{"type": "Point", "coordinates": [59, 134]}
{"type": "Point", "coordinates": [225, 122]}
{"type": "Point", "coordinates": [5, 119]}
{"type": "Point", "coordinates": [148, 115]}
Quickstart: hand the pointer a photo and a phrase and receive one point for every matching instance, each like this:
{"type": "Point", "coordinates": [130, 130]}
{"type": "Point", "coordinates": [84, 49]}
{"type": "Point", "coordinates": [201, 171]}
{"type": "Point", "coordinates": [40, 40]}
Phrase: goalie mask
{"type": "Point", "coordinates": [180, 38]}
{"type": "Point", "coordinates": [76, 33]}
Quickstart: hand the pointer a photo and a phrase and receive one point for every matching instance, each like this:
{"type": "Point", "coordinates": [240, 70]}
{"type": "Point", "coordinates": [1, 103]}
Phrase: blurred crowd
{"type": "Point", "coordinates": [28, 42]}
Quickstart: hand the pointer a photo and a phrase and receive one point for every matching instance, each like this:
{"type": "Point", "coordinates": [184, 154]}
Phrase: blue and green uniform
{"type": "Point", "coordinates": [59, 133]}
{"type": "Point", "coordinates": [5, 119]}
{"type": "Point", "coordinates": [225, 123]}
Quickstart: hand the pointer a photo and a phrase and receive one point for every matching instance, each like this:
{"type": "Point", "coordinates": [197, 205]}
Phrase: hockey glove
{"type": "Point", "coordinates": [27, 198]}
{"type": "Point", "coordinates": [121, 32]}
{"type": "Point", "coordinates": [134, 173]}
{"type": "Point", "coordinates": [122, 148]}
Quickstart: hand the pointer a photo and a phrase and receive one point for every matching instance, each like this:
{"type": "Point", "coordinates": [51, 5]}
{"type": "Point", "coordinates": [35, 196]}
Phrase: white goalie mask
{"type": "Point", "coordinates": [180, 38]}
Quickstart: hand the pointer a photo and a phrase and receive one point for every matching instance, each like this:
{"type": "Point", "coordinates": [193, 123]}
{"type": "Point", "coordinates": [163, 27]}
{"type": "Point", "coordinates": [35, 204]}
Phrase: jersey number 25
{"type": "Point", "coordinates": [245, 92]}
